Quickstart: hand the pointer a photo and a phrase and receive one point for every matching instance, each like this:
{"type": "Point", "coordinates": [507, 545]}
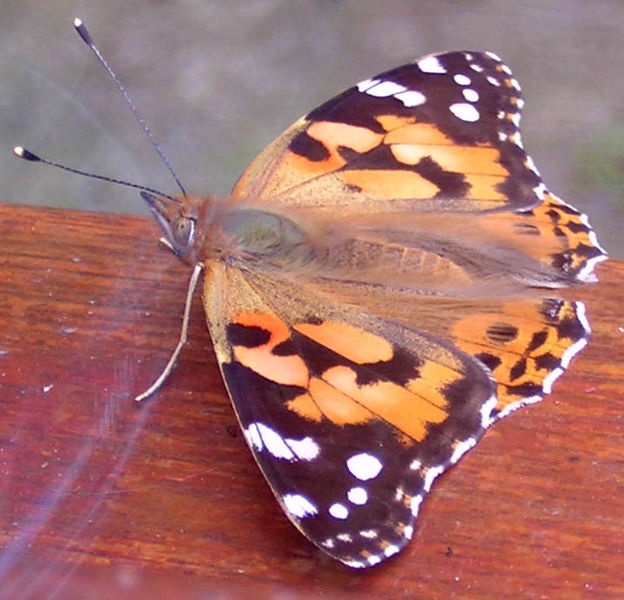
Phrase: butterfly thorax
{"type": "Point", "coordinates": [253, 235]}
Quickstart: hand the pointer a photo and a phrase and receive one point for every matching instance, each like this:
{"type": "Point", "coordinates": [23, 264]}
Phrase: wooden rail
{"type": "Point", "coordinates": [101, 497]}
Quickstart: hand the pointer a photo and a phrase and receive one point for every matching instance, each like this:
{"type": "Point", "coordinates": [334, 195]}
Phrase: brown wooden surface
{"type": "Point", "coordinates": [100, 497]}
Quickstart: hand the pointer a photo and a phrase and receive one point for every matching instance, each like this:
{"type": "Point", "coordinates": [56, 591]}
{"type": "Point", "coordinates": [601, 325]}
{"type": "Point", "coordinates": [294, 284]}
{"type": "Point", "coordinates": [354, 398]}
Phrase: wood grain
{"type": "Point", "coordinates": [101, 497]}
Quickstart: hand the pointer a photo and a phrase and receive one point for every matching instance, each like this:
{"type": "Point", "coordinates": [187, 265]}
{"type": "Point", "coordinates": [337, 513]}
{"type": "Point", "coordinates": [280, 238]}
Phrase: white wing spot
{"type": "Point", "coordinates": [354, 564]}
{"type": "Point", "coordinates": [461, 79]}
{"type": "Point", "coordinates": [465, 112]}
{"type": "Point", "coordinates": [531, 165]}
{"type": "Point", "coordinates": [477, 68]}
{"type": "Point", "coordinates": [572, 351]}
{"type": "Point", "coordinates": [516, 405]}
{"type": "Point", "coordinates": [431, 474]}
{"type": "Point", "coordinates": [364, 466]}
{"type": "Point", "coordinates": [260, 436]}
{"type": "Point", "coordinates": [344, 537]}
{"type": "Point", "coordinates": [390, 550]}
{"type": "Point", "coordinates": [462, 448]}
{"type": "Point", "coordinates": [357, 495]}
{"type": "Point", "coordinates": [338, 511]}
{"type": "Point", "coordinates": [252, 435]}
{"type": "Point", "coordinates": [367, 83]}
{"type": "Point", "coordinates": [540, 191]}
{"type": "Point", "coordinates": [373, 559]}
{"type": "Point", "coordinates": [408, 532]}
{"type": "Point", "coordinates": [586, 273]}
{"type": "Point", "coordinates": [415, 504]}
{"type": "Point", "coordinates": [493, 81]}
{"type": "Point", "coordinates": [554, 374]}
{"type": "Point", "coordinates": [411, 98]}
{"type": "Point", "coordinates": [385, 88]}
{"type": "Point", "coordinates": [370, 534]}
{"type": "Point", "coordinates": [415, 465]}
{"type": "Point", "coordinates": [275, 443]}
{"type": "Point", "coordinates": [305, 449]}
{"type": "Point", "coordinates": [582, 315]}
{"type": "Point", "coordinates": [299, 505]}
{"type": "Point", "coordinates": [486, 411]}
{"type": "Point", "coordinates": [470, 95]}
{"type": "Point", "coordinates": [431, 64]}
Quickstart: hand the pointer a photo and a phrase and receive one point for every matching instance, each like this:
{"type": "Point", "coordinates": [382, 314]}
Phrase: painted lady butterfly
{"type": "Point", "coordinates": [381, 287]}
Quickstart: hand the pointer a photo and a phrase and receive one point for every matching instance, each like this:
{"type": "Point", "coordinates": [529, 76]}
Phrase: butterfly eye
{"type": "Point", "coordinates": [183, 232]}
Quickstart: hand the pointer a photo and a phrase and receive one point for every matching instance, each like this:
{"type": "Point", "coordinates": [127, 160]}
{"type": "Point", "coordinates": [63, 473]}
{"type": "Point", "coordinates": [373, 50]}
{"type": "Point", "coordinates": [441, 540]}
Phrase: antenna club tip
{"type": "Point", "coordinates": [83, 32]}
{"type": "Point", "coordinates": [25, 154]}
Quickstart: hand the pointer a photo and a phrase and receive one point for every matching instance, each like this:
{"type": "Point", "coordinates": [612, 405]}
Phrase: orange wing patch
{"type": "Point", "coordinates": [389, 184]}
{"type": "Point", "coordinates": [325, 156]}
{"type": "Point", "coordinates": [395, 157]}
{"type": "Point", "coordinates": [257, 353]}
{"type": "Point", "coordinates": [345, 373]}
{"type": "Point", "coordinates": [413, 142]}
{"type": "Point", "coordinates": [414, 149]}
{"type": "Point", "coordinates": [355, 344]}
{"type": "Point", "coordinates": [324, 401]}
{"type": "Point", "coordinates": [317, 150]}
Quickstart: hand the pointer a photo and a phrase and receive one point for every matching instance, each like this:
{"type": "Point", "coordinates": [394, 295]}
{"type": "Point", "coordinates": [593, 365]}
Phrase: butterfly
{"type": "Point", "coordinates": [382, 285]}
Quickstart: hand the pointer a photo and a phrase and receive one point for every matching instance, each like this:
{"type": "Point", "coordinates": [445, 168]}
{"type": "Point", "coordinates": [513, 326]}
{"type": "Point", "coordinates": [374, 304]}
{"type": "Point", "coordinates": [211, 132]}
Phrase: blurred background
{"type": "Point", "coordinates": [217, 81]}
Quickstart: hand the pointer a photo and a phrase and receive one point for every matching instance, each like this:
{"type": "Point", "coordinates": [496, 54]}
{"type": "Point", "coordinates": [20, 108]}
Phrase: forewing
{"type": "Point", "coordinates": [437, 134]}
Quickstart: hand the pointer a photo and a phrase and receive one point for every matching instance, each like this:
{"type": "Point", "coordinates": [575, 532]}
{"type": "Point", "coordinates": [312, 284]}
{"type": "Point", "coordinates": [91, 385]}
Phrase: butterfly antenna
{"type": "Point", "coordinates": [28, 155]}
{"type": "Point", "coordinates": [83, 32]}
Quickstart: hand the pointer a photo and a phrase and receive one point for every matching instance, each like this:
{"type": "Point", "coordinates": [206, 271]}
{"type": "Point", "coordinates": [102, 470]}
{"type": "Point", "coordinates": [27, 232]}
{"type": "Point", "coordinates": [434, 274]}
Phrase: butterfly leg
{"type": "Point", "coordinates": [183, 337]}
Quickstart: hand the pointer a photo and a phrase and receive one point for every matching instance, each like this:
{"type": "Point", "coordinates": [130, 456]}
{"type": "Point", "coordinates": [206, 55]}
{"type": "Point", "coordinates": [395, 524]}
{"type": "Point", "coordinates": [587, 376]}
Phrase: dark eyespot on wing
{"type": "Point", "coordinates": [502, 333]}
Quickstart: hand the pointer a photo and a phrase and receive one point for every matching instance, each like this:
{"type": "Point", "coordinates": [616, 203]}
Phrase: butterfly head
{"type": "Point", "coordinates": [180, 220]}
